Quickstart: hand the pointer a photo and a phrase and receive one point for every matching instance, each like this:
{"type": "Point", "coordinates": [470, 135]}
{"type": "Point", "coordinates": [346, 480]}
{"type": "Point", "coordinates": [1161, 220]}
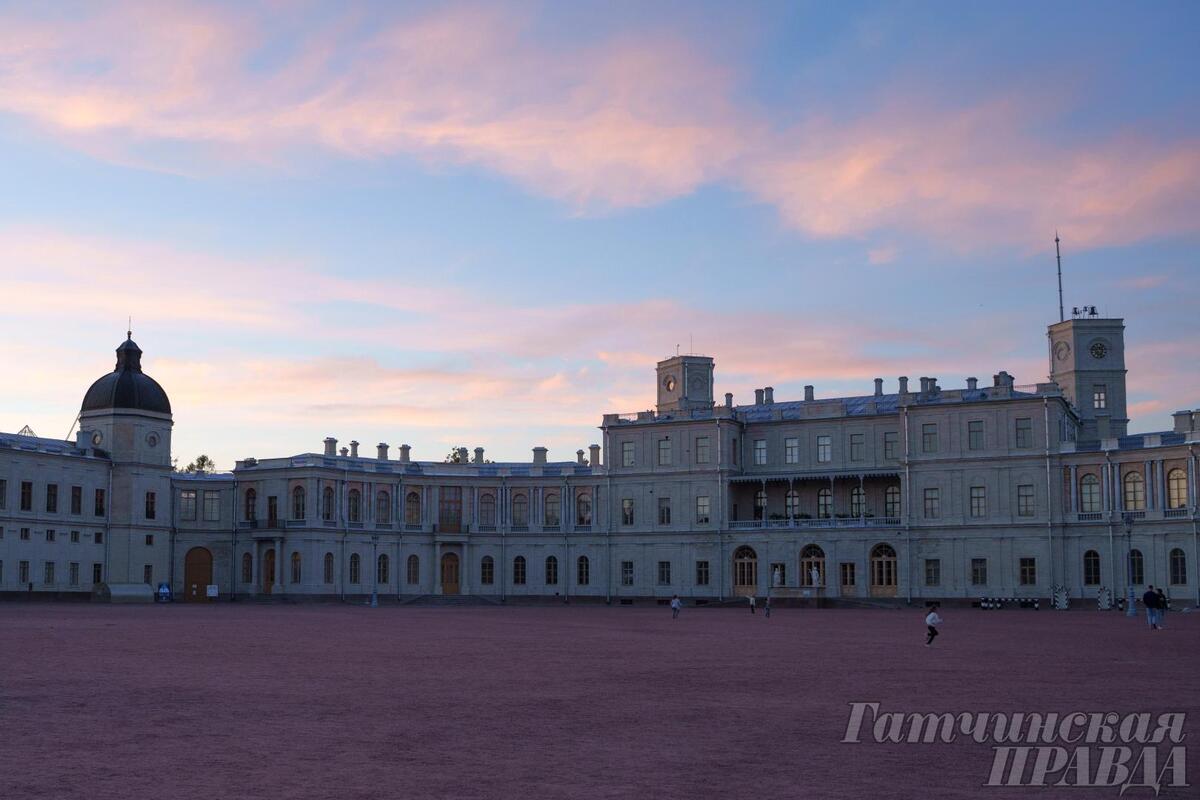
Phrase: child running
{"type": "Point", "coordinates": [675, 604]}
{"type": "Point", "coordinates": [932, 620]}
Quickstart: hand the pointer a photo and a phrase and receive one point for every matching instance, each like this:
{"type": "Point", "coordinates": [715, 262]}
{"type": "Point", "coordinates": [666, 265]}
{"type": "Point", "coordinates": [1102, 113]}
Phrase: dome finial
{"type": "Point", "coordinates": [129, 330]}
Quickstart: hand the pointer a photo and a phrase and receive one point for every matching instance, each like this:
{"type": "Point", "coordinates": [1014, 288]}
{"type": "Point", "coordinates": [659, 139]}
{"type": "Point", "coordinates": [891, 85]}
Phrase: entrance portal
{"type": "Point", "coordinates": [745, 572]}
{"type": "Point", "coordinates": [268, 571]}
{"type": "Point", "coordinates": [197, 575]}
{"type": "Point", "coordinates": [450, 573]}
{"type": "Point", "coordinates": [883, 571]}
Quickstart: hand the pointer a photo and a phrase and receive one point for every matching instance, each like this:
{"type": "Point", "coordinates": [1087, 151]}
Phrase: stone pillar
{"type": "Point", "coordinates": [1191, 482]}
{"type": "Point", "coordinates": [281, 563]}
{"type": "Point", "coordinates": [1160, 485]}
{"type": "Point", "coordinates": [437, 568]}
{"type": "Point", "coordinates": [862, 509]}
{"type": "Point", "coordinates": [464, 572]}
{"type": "Point", "coordinates": [1073, 489]}
{"type": "Point", "coordinates": [1148, 480]}
{"type": "Point", "coordinates": [435, 511]}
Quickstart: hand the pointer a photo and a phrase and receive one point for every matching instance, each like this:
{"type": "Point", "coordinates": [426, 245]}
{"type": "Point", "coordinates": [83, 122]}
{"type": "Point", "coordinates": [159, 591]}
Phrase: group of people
{"type": "Point", "coordinates": [1156, 604]}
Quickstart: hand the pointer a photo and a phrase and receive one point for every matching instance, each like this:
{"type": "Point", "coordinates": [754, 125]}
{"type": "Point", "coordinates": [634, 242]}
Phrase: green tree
{"type": "Point", "coordinates": [203, 465]}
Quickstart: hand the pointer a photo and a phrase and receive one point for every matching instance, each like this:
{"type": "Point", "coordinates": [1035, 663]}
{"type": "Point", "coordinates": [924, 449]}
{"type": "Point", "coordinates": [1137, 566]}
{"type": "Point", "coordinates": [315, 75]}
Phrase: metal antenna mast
{"type": "Point", "coordinates": [1058, 257]}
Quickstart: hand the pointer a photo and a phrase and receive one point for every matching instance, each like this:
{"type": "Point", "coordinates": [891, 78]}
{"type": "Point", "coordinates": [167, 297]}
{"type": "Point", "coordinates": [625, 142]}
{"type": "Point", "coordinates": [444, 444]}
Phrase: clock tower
{"type": "Point", "coordinates": [1087, 360]}
{"type": "Point", "coordinates": [685, 383]}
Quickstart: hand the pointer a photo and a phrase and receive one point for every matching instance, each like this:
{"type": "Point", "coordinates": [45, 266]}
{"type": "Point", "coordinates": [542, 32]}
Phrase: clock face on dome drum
{"type": "Point", "coordinates": [669, 383]}
{"type": "Point", "coordinates": [1098, 350]}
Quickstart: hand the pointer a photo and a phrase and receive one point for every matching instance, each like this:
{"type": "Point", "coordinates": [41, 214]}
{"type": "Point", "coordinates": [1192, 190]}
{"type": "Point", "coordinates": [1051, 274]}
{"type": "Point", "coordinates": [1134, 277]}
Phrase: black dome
{"type": "Point", "coordinates": [127, 386]}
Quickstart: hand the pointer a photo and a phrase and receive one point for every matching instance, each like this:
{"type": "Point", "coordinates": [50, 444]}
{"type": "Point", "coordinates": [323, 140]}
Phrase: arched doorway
{"type": "Point", "coordinates": [450, 573]}
{"type": "Point", "coordinates": [197, 575]}
{"type": "Point", "coordinates": [745, 572]}
{"type": "Point", "coordinates": [268, 571]}
{"type": "Point", "coordinates": [883, 571]}
{"type": "Point", "coordinates": [812, 566]}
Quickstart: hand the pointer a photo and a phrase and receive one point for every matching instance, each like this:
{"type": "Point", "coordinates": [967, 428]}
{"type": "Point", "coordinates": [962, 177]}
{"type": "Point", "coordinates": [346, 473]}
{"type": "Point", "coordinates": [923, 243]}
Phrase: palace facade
{"type": "Point", "coordinates": [991, 489]}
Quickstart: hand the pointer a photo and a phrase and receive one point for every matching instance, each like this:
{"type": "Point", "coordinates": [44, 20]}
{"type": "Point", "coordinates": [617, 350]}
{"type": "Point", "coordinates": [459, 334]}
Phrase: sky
{"type": "Point", "coordinates": [481, 224]}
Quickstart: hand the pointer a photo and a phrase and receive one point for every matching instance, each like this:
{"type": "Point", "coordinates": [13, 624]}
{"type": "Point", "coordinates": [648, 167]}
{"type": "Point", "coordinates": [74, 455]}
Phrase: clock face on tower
{"type": "Point", "coordinates": [1098, 350]}
{"type": "Point", "coordinates": [669, 383]}
{"type": "Point", "coordinates": [1062, 351]}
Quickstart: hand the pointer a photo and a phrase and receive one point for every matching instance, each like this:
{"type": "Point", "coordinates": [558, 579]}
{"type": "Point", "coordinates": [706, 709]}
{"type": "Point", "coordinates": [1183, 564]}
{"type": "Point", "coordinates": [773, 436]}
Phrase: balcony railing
{"type": "Point", "coordinates": [1090, 516]}
{"type": "Point", "coordinates": [1174, 513]}
{"type": "Point", "coordinates": [826, 522]}
{"type": "Point", "coordinates": [549, 529]}
{"type": "Point", "coordinates": [487, 528]}
{"type": "Point", "coordinates": [583, 528]}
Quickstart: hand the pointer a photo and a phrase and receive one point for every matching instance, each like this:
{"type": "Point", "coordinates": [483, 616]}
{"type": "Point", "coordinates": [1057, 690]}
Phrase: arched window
{"type": "Point", "coordinates": [247, 568]}
{"type": "Point", "coordinates": [883, 569]}
{"type": "Point", "coordinates": [583, 571]}
{"type": "Point", "coordinates": [791, 504]}
{"type": "Point", "coordinates": [383, 572]}
{"type": "Point", "coordinates": [1135, 493]}
{"type": "Point", "coordinates": [298, 503]}
{"type": "Point", "coordinates": [295, 567]}
{"type": "Point", "coordinates": [812, 566]}
{"type": "Point", "coordinates": [552, 509]}
{"type": "Point", "coordinates": [1178, 564]}
{"type": "Point", "coordinates": [383, 508]}
{"type": "Point", "coordinates": [858, 502]}
{"type": "Point", "coordinates": [487, 568]}
{"type": "Point", "coordinates": [551, 571]}
{"type": "Point", "coordinates": [520, 510]}
{"type": "Point", "coordinates": [412, 509]}
{"type": "Point", "coordinates": [1091, 568]}
{"type": "Point", "coordinates": [1089, 494]}
{"type": "Point", "coordinates": [329, 567]}
{"type": "Point", "coordinates": [1176, 489]}
{"type": "Point", "coordinates": [760, 504]}
{"type": "Point", "coordinates": [354, 506]}
{"type": "Point", "coordinates": [583, 509]}
{"type": "Point", "coordinates": [355, 568]}
{"type": "Point", "coordinates": [487, 510]}
{"type": "Point", "coordinates": [414, 570]}
{"type": "Point", "coordinates": [1137, 567]}
{"type": "Point", "coordinates": [891, 502]}
{"type": "Point", "coordinates": [824, 504]}
{"type": "Point", "coordinates": [745, 569]}
{"type": "Point", "coordinates": [251, 505]}
{"type": "Point", "coordinates": [327, 504]}
{"type": "Point", "coordinates": [519, 571]}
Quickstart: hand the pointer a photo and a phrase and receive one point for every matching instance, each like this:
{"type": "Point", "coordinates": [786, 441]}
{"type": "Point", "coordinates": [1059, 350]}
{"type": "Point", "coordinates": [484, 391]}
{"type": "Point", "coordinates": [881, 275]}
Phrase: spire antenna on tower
{"type": "Point", "coordinates": [129, 330]}
{"type": "Point", "coordinates": [1058, 257]}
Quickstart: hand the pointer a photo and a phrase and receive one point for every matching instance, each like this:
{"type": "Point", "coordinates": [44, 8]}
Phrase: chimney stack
{"type": "Point", "coordinates": [808, 393]}
{"type": "Point", "coordinates": [758, 397]}
{"type": "Point", "coordinates": [972, 384]}
{"type": "Point", "coordinates": [903, 384]}
{"type": "Point", "coordinates": [924, 385]}
{"type": "Point", "coordinates": [579, 457]}
{"type": "Point", "coordinates": [769, 395]}
{"type": "Point", "coordinates": [594, 455]}
{"type": "Point", "coordinates": [354, 449]}
{"type": "Point", "coordinates": [539, 455]}
{"type": "Point", "coordinates": [330, 446]}
{"type": "Point", "coordinates": [404, 451]}
{"type": "Point", "coordinates": [933, 387]}
{"type": "Point", "coordinates": [381, 451]}
{"type": "Point", "coordinates": [478, 455]}
{"type": "Point", "coordinates": [462, 455]}
{"type": "Point", "coordinates": [729, 399]}
{"type": "Point", "coordinates": [879, 387]}
{"type": "Point", "coordinates": [345, 452]}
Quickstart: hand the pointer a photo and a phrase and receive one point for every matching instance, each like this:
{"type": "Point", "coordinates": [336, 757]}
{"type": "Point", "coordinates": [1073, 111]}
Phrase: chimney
{"type": "Point", "coordinates": [539, 455]}
{"type": "Point", "coordinates": [729, 399]}
{"type": "Point", "coordinates": [404, 451]}
{"type": "Point", "coordinates": [808, 393]}
{"type": "Point", "coordinates": [381, 451]}
{"type": "Point", "coordinates": [330, 446]}
{"type": "Point", "coordinates": [972, 383]}
{"type": "Point", "coordinates": [345, 452]}
{"type": "Point", "coordinates": [879, 387]}
{"type": "Point", "coordinates": [578, 456]}
{"type": "Point", "coordinates": [462, 455]}
{"type": "Point", "coordinates": [758, 397]}
{"type": "Point", "coordinates": [769, 395]}
{"type": "Point", "coordinates": [594, 455]}
{"type": "Point", "coordinates": [478, 455]}
{"type": "Point", "coordinates": [903, 384]}
{"type": "Point", "coordinates": [924, 384]}
{"type": "Point", "coordinates": [354, 449]}
{"type": "Point", "coordinates": [933, 387]}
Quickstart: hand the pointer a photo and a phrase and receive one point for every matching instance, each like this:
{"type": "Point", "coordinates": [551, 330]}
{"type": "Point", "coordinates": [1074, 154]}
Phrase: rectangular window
{"type": "Point", "coordinates": [857, 446]}
{"type": "Point", "coordinates": [979, 572]}
{"type": "Point", "coordinates": [150, 505]}
{"type": "Point", "coordinates": [847, 571]}
{"type": "Point", "coordinates": [48, 573]}
{"type": "Point", "coordinates": [50, 536]}
{"type": "Point", "coordinates": [664, 511]}
{"type": "Point", "coordinates": [760, 452]}
{"type": "Point", "coordinates": [1028, 571]}
{"type": "Point", "coordinates": [791, 451]}
{"type": "Point", "coordinates": [76, 500]}
{"type": "Point", "coordinates": [3, 495]}
{"type": "Point", "coordinates": [24, 534]}
{"type": "Point", "coordinates": [97, 573]}
{"type": "Point", "coordinates": [933, 504]}
{"type": "Point", "coordinates": [891, 445]}
{"type": "Point", "coordinates": [975, 434]}
{"type": "Point", "coordinates": [627, 511]}
{"type": "Point", "coordinates": [978, 501]}
{"type": "Point", "coordinates": [929, 437]}
{"type": "Point", "coordinates": [74, 537]}
{"type": "Point", "coordinates": [99, 537]}
{"type": "Point", "coordinates": [702, 510]}
{"type": "Point", "coordinates": [778, 574]}
{"type": "Point", "coordinates": [824, 449]}
{"type": "Point", "coordinates": [1025, 500]}
{"type": "Point", "coordinates": [1024, 432]}
{"type": "Point", "coordinates": [52, 498]}
{"type": "Point", "coordinates": [74, 573]}
{"type": "Point", "coordinates": [627, 456]}
{"type": "Point", "coordinates": [23, 573]}
{"type": "Point", "coordinates": [148, 574]}
{"type": "Point", "coordinates": [212, 506]}
{"type": "Point", "coordinates": [99, 503]}
{"type": "Point", "coordinates": [702, 573]}
{"type": "Point", "coordinates": [149, 540]}
{"type": "Point", "coordinates": [627, 573]}
{"type": "Point", "coordinates": [1100, 396]}
{"type": "Point", "coordinates": [702, 453]}
{"type": "Point", "coordinates": [664, 452]}
{"type": "Point", "coordinates": [187, 504]}
{"type": "Point", "coordinates": [933, 572]}
{"type": "Point", "coordinates": [734, 450]}
{"type": "Point", "coordinates": [27, 495]}
{"type": "Point", "coordinates": [664, 573]}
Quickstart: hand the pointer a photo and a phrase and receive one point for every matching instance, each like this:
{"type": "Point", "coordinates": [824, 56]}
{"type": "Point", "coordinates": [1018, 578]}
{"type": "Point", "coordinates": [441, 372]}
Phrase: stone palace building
{"type": "Point", "coordinates": [922, 492]}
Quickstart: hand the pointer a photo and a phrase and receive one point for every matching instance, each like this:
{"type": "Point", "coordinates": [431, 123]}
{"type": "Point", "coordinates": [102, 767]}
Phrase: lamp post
{"type": "Point", "coordinates": [1131, 602]}
{"type": "Point", "coordinates": [374, 570]}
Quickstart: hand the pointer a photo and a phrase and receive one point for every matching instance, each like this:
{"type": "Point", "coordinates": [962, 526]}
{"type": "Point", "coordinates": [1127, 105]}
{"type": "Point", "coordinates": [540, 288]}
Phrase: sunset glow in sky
{"type": "Point", "coordinates": [483, 223]}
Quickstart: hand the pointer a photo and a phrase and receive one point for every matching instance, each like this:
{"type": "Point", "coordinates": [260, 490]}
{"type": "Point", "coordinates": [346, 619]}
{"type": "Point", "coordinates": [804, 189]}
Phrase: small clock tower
{"type": "Point", "coordinates": [685, 383]}
{"type": "Point", "coordinates": [1087, 360]}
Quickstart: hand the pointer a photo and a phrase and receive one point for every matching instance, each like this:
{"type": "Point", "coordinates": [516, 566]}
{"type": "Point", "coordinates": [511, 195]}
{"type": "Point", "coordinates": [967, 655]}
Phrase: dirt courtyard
{"type": "Point", "coordinates": [240, 700]}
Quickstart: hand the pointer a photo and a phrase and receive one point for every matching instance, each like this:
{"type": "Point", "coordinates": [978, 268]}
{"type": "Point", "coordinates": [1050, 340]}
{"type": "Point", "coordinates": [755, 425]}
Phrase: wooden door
{"type": "Point", "coordinates": [197, 575]}
{"type": "Point", "coordinates": [450, 573]}
{"type": "Point", "coordinates": [745, 572]}
{"type": "Point", "coordinates": [883, 571]}
{"type": "Point", "coordinates": [268, 571]}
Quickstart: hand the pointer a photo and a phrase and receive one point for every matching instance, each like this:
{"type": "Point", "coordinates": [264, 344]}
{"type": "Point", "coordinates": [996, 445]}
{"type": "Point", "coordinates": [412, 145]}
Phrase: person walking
{"type": "Point", "coordinates": [932, 620]}
{"type": "Point", "coordinates": [675, 606]}
{"type": "Point", "coordinates": [767, 607]}
{"type": "Point", "coordinates": [1163, 606]}
{"type": "Point", "coordinates": [1150, 601]}
{"type": "Point", "coordinates": [751, 604]}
